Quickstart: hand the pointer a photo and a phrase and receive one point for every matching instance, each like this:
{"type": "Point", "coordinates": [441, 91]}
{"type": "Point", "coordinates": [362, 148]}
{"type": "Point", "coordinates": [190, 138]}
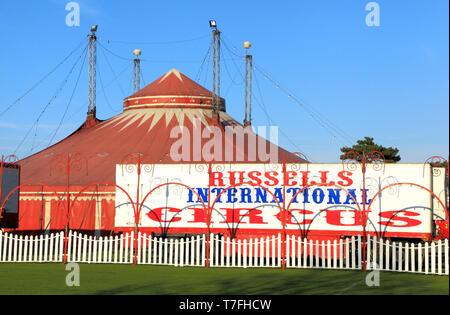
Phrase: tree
{"type": "Point", "coordinates": [367, 145]}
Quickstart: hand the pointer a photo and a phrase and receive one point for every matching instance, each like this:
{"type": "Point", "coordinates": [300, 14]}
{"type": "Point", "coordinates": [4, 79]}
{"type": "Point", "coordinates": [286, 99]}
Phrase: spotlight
{"type": "Point", "coordinates": [212, 23]}
{"type": "Point", "coordinates": [94, 28]}
{"type": "Point", "coordinates": [137, 52]}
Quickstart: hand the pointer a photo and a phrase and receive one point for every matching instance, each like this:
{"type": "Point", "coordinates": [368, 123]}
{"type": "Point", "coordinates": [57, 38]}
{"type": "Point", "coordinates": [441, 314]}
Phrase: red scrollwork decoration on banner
{"type": "Point", "coordinates": [352, 159]}
{"type": "Point", "coordinates": [140, 161]}
{"type": "Point", "coordinates": [435, 161]}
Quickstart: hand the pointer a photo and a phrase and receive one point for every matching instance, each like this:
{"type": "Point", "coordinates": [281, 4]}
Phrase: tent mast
{"type": "Point", "coordinates": [136, 71]}
{"type": "Point", "coordinates": [92, 72]}
{"type": "Point", "coordinates": [248, 85]}
{"type": "Point", "coordinates": [216, 68]}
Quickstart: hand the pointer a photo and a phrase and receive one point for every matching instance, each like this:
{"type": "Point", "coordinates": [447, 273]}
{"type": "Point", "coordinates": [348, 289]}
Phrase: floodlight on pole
{"type": "Point", "coordinates": [212, 24]}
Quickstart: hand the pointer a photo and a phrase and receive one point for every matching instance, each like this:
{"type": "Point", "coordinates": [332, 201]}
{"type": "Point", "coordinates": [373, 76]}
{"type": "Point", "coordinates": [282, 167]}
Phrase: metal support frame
{"type": "Point", "coordinates": [378, 161]}
{"type": "Point", "coordinates": [142, 162]}
{"type": "Point", "coordinates": [65, 163]}
{"type": "Point", "coordinates": [442, 161]}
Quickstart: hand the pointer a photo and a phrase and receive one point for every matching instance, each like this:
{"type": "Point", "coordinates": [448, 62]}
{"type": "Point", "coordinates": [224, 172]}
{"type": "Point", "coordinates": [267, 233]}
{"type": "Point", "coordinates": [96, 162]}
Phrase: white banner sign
{"type": "Point", "coordinates": [322, 199]}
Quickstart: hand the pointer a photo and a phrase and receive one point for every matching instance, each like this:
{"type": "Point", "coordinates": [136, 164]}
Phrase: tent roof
{"type": "Point", "coordinates": [146, 130]}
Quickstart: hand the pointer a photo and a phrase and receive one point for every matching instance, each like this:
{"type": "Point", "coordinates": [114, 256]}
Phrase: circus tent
{"type": "Point", "coordinates": [143, 127]}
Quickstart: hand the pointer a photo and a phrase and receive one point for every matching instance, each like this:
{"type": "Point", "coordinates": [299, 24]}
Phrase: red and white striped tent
{"type": "Point", "coordinates": [144, 127]}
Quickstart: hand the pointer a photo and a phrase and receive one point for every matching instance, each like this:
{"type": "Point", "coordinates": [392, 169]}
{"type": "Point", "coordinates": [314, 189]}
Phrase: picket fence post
{"type": "Point", "coordinates": [433, 258]}
{"type": "Point", "coordinates": [446, 256]}
{"type": "Point", "coordinates": [439, 257]}
{"type": "Point", "coordinates": [1, 247]}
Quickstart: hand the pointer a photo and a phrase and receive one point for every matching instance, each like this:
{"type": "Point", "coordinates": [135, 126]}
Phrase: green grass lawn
{"type": "Point", "coordinates": [129, 279]}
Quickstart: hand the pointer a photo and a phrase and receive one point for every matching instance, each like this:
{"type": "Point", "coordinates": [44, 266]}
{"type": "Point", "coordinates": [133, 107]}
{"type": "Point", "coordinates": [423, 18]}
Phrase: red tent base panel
{"type": "Point", "coordinates": [40, 211]}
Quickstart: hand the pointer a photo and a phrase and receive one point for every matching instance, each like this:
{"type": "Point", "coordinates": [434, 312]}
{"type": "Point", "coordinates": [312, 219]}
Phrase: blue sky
{"type": "Point", "coordinates": [388, 82]}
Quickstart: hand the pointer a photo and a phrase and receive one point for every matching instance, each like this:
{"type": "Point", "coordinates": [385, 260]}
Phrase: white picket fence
{"type": "Point", "coordinates": [342, 254]}
{"type": "Point", "coordinates": [426, 258]}
{"type": "Point", "coordinates": [38, 248]}
{"type": "Point", "coordinates": [256, 252]}
{"type": "Point", "coordinates": [174, 252]}
{"type": "Point", "coordinates": [109, 249]}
